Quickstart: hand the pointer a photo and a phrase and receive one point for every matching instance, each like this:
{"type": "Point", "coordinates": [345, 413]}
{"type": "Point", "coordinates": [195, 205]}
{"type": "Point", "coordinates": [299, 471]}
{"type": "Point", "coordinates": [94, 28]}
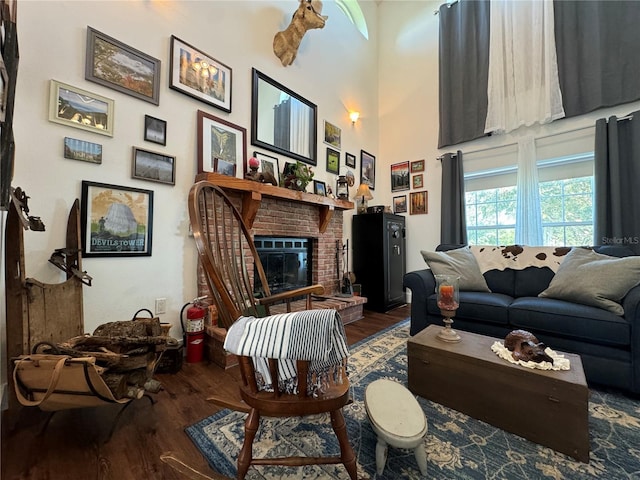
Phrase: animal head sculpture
{"type": "Point", "coordinates": [306, 17]}
{"type": "Point", "coordinates": [526, 347]}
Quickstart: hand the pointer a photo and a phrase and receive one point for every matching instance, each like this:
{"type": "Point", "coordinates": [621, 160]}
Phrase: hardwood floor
{"type": "Point", "coordinates": [73, 445]}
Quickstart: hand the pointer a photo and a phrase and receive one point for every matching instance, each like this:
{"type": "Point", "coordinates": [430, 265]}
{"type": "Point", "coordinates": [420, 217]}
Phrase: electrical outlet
{"type": "Point", "coordinates": [161, 305]}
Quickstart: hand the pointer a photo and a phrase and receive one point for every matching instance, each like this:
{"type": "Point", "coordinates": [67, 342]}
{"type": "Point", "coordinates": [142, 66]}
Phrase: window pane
{"type": "Point", "coordinates": [579, 208]}
{"type": "Point", "coordinates": [580, 235]}
{"type": "Point", "coordinates": [553, 236]}
{"type": "Point", "coordinates": [506, 236]}
{"type": "Point", "coordinates": [487, 214]}
{"type": "Point", "coordinates": [486, 196]}
{"type": "Point", "coordinates": [487, 237]}
{"type": "Point", "coordinates": [551, 209]}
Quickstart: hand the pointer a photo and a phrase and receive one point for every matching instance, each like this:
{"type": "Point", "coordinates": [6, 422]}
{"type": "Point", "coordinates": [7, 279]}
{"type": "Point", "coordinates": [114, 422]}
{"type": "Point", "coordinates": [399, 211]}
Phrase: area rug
{"type": "Point", "coordinates": [457, 446]}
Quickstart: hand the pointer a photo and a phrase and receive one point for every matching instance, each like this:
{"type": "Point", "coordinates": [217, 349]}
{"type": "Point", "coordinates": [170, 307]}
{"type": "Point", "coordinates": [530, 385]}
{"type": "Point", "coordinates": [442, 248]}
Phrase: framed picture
{"type": "Point", "coordinates": [221, 144]}
{"type": "Point", "coordinates": [419, 203]}
{"type": "Point", "coordinates": [368, 169]}
{"type": "Point", "coordinates": [153, 166]}
{"type": "Point", "coordinates": [417, 166]}
{"type": "Point", "coordinates": [333, 161]}
{"type": "Point", "coordinates": [79, 108]}
{"type": "Point", "coordinates": [418, 181]}
{"type": "Point", "coordinates": [319, 188]}
{"type": "Point", "coordinates": [400, 176]}
{"type": "Point", "coordinates": [155, 130]}
{"type": "Point", "coordinates": [116, 221]}
{"type": "Point", "coordinates": [199, 75]}
{"type": "Point", "coordinates": [332, 135]}
{"type": "Point", "coordinates": [350, 160]}
{"type": "Point", "coordinates": [400, 204]}
{"type": "Point", "coordinates": [123, 68]}
{"type": "Point", "coordinates": [75, 149]}
{"type": "Point", "coordinates": [268, 164]}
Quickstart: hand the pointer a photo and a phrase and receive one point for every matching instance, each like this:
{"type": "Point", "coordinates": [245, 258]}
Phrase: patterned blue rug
{"type": "Point", "coordinates": [457, 446]}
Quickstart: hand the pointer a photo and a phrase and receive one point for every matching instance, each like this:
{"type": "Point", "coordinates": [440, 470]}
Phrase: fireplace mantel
{"type": "Point", "coordinates": [252, 193]}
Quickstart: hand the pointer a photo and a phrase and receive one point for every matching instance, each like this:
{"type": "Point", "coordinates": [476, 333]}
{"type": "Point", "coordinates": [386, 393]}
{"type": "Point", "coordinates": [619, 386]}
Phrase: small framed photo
{"type": "Point", "coordinates": [81, 109]}
{"type": "Point", "coordinates": [268, 164]}
{"type": "Point", "coordinates": [400, 204]}
{"type": "Point", "coordinates": [350, 160]}
{"type": "Point", "coordinates": [333, 161]}
{"type": "Point", "coordinates": [113, 64]}
{"type": "Point", "coordinates": [221, 145]}
{"type": "Point", "coordinates": [155, 130]}
{"type": "Point", "coordinates": [199, 75]}
{"type": "Point", "coordinates": [419, 203]}
{"type": "Point", "coordinates": [417, 166]}
{"type": "Point", "coordinates": [75, 149]}
{"type": "Point", "coordinates": [418, 181]}
{"type": "Point", "coordinates": [319, 188]}
{"type": "Point", "coordinates": [153, 166]}
{"type": "Point", "coordinates": [368, 169]}
{"type": "Point", "coordinates": [332, 135]}
{"type": "Point", "coordinates": [400, 176]}
{"type": "Point", "coordinates": [116, 221]}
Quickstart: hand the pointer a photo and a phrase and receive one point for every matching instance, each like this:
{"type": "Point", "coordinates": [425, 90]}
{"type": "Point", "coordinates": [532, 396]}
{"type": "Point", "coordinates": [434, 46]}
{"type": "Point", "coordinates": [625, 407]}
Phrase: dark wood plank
{"type": "Point", "coordinates": [73, 445]}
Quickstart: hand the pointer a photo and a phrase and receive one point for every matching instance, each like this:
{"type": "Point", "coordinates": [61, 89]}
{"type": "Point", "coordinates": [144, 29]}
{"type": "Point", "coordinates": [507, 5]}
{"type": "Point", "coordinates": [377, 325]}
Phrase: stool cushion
{"type": "Point", "coordinates": [394, 410]}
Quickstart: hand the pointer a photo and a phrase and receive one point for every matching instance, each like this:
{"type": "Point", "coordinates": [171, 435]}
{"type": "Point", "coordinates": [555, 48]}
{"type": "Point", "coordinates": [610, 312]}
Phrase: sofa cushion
{"type": "Point", "coordinates": [561, 318]}
{"type": "Point", "coordinates": [481, 306]}
{"type": "Point", "coordinates": [460, 262]}
{"type": "Point", "coordinates": [590, 278]}
{"type": "Point", "coordinates": [531, 281]}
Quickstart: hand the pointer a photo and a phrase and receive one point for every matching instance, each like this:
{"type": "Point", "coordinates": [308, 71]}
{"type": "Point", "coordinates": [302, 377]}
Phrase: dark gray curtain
{"type": "Point", "coordinates": [617, 171]}
{"type": "Point", "coordinates": [597, 44]}
{"type": "Point", "coordinates": [453, 224]}
{"type": "Point", "coordinates": [463, 71]}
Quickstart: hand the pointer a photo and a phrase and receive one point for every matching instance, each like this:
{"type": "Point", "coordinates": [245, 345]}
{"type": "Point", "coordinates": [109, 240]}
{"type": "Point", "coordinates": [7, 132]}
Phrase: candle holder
{"type": "Point", "coordinates": [447, 290]}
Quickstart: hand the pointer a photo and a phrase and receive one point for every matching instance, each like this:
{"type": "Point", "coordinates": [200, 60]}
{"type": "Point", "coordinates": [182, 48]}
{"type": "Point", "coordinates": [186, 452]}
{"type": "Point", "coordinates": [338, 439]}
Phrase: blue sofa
{"type": "Point", "coordinates": [608, 344]}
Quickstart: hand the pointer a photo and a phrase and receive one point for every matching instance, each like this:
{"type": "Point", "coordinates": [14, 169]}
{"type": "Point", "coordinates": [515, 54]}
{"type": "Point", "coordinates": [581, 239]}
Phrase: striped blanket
{"type": "Point", "coordinates": [314, 335]}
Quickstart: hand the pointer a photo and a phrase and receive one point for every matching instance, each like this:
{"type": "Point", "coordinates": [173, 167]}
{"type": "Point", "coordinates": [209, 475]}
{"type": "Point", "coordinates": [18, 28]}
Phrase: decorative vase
{"type": "Point", "coordinates": [447, 290]}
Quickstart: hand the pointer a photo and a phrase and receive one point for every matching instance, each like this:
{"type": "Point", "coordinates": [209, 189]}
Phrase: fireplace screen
{"type": "Point", "coordinates": [286, 261]}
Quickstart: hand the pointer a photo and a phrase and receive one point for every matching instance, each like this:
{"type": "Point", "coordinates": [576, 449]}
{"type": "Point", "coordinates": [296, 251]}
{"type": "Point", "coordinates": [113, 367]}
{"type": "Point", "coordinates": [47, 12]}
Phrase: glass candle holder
{"type": "Point", "coordinates": [448, 291]}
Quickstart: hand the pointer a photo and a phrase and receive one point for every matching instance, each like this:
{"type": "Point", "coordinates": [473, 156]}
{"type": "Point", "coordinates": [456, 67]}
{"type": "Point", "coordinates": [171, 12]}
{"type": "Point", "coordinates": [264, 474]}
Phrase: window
{"type": "Point", "coordinates": [566, 203]}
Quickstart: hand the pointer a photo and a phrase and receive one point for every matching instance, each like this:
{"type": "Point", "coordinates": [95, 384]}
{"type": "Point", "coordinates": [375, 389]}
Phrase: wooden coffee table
{"type": "Point", "coordinates": [546, 407]}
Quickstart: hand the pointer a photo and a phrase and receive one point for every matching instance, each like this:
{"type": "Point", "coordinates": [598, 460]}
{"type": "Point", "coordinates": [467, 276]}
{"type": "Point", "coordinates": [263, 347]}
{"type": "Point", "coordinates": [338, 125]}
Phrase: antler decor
{"type": "Point", "coordinates": [306, 17]}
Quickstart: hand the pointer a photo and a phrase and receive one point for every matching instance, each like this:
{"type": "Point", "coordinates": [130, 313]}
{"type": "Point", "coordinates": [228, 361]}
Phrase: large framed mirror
{"type": "Point", "coordinates": [282, 121]}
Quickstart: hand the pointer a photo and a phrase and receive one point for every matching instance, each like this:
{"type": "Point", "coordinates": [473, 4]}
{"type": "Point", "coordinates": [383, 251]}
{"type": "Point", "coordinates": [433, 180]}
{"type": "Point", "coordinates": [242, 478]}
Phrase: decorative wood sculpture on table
{"type": "Point", "coordinates": [526, 347]}
{"type": "Point", "coordinates": [306, 17]}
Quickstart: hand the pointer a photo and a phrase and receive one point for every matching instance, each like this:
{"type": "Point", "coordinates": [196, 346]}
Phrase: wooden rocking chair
{"type": "Point", "coordinates": [227, 255]}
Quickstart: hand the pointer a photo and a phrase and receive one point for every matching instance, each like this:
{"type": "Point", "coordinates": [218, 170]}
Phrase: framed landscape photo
{"type": "Point", "coordinates": [199, 75]}
{"type": "Point", "coordinates": [268, 164]}
{"type": "Point", "coordinates": [417, 166]}
{"type": "Point", "coordinates": [153, 166]}
{"type": "Point", "coordinates": [400, 176]}
{"type": "Point", "coordinates": [116, 221]}
{"type": "Point", "coordinates": [333, 161]}
{"type": "Point", "coordinates": [155, 130]}
{"type": "Point", "coordinates": [418, 181]}
{"type": "Point", "coordinates": [368, 169]}
{"type": "Point", "coordinates": [332, 135]}
{"type": "Point", "coordinates": [400, 204]}
{"type": "Point", "coordinates": [319, 188]}
{"type": "Point", "coordinates": [81, 109]}
{"type": "Point", "coordinates": [221, 145]}
{"type": "Point", "coordinates": [75, 149]}
{"type": "Point", "coordinates": [350, 160]}
{"type": "Point", "coordinates": [419, 203]}
{"type": "Point", "coordinates": [113, 64]}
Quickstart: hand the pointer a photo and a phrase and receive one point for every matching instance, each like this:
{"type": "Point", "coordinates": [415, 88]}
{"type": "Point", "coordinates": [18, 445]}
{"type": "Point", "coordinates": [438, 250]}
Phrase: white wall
{"type": "Point", "coordinates": [336, 68]}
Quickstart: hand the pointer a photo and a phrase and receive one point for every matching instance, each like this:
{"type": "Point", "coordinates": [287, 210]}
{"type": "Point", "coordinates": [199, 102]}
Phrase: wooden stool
{"type": "Point", "coordinates": [397, 419]}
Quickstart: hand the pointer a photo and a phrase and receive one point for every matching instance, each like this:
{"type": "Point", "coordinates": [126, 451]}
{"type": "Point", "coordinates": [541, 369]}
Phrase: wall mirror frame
{"type": "Point", "coordinates": [276, 112]}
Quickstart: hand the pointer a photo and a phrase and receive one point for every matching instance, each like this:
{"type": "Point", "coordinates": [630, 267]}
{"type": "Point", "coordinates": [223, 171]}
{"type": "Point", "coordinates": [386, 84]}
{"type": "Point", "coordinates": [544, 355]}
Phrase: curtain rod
{"type": "Point", "coordinates": [538, 138]}
{"type": "Point", "coordinates": [448, 4]}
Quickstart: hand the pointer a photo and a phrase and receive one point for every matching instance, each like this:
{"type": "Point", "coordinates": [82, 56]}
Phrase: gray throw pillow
{"type": "Point", "coordinates": [460, 262]}
{"type": "Point", "coordinates": [594, 279]}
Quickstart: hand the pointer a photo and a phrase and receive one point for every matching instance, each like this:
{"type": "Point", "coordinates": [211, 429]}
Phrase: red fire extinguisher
{"type": "Point", "coordinates": [194, 329]}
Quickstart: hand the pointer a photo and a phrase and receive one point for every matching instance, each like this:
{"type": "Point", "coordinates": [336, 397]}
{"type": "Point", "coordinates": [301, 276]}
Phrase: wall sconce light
{"type": "Point", "coordinates": [354, 116]}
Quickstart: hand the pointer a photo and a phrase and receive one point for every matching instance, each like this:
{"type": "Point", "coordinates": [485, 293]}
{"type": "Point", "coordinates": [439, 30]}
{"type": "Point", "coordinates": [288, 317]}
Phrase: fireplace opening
{"type": "Point", "coordinates": [287, 263]}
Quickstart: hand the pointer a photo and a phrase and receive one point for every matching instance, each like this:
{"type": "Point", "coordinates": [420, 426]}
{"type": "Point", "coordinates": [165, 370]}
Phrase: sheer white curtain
{"type": "Point", "coordinates": [528, 214]}
{"type": "Point", "coordinates": [299, 128]}
{"type": "Point", "coordinates": [523, 84]}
